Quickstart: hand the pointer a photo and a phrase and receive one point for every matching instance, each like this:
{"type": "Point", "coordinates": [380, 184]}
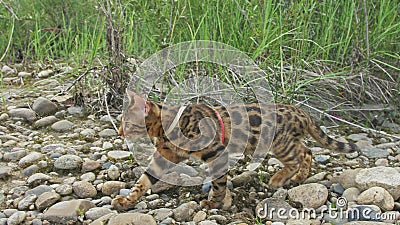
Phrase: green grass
{"type": "Point", "coordinates": [288, 39]}
{"type": "Point", "coordinates": [270, 31]}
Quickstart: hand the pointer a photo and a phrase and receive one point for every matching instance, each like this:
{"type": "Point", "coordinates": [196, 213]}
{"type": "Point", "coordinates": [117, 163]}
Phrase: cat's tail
{"type": "Point", "coordinates": [327, 142]}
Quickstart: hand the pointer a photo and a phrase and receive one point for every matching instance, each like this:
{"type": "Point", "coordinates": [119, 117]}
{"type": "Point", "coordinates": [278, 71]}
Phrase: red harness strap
{"type": "Point", "coordinates": [221, 125]}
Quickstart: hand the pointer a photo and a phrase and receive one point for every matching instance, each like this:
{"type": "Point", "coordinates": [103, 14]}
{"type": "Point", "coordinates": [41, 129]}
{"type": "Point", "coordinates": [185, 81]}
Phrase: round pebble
{"type": "Point", "coordinates": [113, 172]}
{"type": "Point", "coordinates": [16, 218]}
{"type": "Point", "coordinates": [84, 189]}
{"type": "Point", "coordinates": [46, 199]}
{"type": "Point", "coordinates": [112, 187]}
{"type": "Point", "coordinates": [64, 189]}
{"type": "Point", "coordinates": [90, 176]}
{"type": "Point", "coordinates": [62, 126]}
{"type": "Point", "coordinates": [199, 216]}
{"type": "Point", "coordinates": [68, 162]}
{"type": "Point", "coordinates": [44, 107]}
{"type": "Point", "coordinates": [107, 133]}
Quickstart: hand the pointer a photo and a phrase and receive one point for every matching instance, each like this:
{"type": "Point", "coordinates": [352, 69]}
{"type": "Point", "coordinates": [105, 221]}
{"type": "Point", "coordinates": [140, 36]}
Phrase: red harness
{"type": "Point", "coordinates": [221, 125]}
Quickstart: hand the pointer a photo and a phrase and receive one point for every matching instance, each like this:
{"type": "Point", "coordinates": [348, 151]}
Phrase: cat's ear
{"type": "Point", "coordinates": [131, 97]}
{"type": "Point", "coordinates": [138, 102]}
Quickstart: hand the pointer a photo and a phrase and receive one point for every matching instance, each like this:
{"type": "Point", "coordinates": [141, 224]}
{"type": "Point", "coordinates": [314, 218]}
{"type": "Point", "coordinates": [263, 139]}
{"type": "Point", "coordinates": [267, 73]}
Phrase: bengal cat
{"type": "Point", "coordinates": [142, 118]}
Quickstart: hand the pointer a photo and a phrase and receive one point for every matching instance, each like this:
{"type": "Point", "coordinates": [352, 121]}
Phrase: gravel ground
{"type": "Point", "coordinates": [60, 165]}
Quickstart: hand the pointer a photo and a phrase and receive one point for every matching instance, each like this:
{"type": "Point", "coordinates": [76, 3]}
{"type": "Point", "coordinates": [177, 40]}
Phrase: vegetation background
{"type": "Point", "coordinates": [337, 55]}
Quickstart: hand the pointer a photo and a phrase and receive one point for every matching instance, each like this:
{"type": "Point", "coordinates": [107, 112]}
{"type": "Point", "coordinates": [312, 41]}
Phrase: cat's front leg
{"type": "Point", "coordinates": [218, 165]}
{"type": "Point", "coordinates": [162, 160]}
{"type": "Point", "coordinates": [142, 185]}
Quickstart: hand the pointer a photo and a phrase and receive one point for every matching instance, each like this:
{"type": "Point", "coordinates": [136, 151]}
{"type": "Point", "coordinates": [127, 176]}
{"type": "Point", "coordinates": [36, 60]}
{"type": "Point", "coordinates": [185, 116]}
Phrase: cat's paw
{"type": "Point", "coordinates": [298, 178]}
{"type": "Point", "coordinates": [122, 203]}
{"type": "Point", "coordinates": [276, 182]}
{"type": "Point", "coordinates": [208, 204]}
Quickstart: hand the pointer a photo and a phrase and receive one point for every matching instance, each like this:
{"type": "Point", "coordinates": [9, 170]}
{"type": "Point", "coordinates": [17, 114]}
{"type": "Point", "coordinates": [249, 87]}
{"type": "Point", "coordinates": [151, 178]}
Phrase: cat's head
{"type": "Point", "coordinates": [133, 124]}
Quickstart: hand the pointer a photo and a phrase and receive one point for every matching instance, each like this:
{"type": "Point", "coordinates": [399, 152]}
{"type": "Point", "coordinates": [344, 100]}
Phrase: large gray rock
{"type": "Point", "coordinates": [97, 212]}
{"type": "Point", "coordinates": [316, 178]}
{"type": "Point", "coordinates": [38, 178]}
{"type": "Point", "coordinates": [90, 165]}
{"type": "Point", "coordinates": [359, 137]}
{"type": "Point", "coordinates": [64, 189]}
{"type": "Point", "coordinates": [118, 155]}
{"type": "Point", "coordinates": [351, 194]}
{"type": "Point", "coordinates": [311, 195]}
{"type": "Point", "coordinates": [347, 178]}
{"type": "Point", "coordinates": [28, 171]}
{"type": "Point", "coordinates": [44, 107]}
{"type": "Point", "coordinates": [5, 171]}
{"type": "Point", "coordinates": [15, 155]}
{"type": "Point", "coordinates": [161, 186]}
{"type": "Point", "coordinates": [26, 202]}
{"type": "Point", "coordinates": [267, 209]}
{"type": "Point", "coordinates": [24, 113]}
{"type": "Point", "coordinates": [385, 177]}
{"type": "Point", "coordinates": [76, 110]}
{"type": "Point", "coordinates": [62, 125]}
{"type": "Point", "coordinates": [113, 172]}
{"type": "Point", "coordinates": [53, 148]}
{"type": "Point", "coordinates": [84, 189]}
{"type": "Point", "coordinates": [45, 121]}
{"type": "Point", "coordinates": [244, 178]}
{"type": "Point", "coordinates": [16, 218]}
{"type": "Point", "coordinates": [112, 187]}
{"type": "Point", "coordinates": [68, 162]}
{"type": "Point", "coordinates": [108, 133]}
{"type": "Point", "coordinates": [374, 153]}
{"type": "Point", "coordinates": [132, 218]}
{"type": "Point", "coordinates": [199, 216]}
{"type": "Point", "coordinates": [162, 213]}
{"type": "Point", "coordinates": [90, 177]}
{"type": "Point", "coordinates": [39, 190]}
{"type": "Point", "coordinates": [88, 133]}
{"type": "Point", "coordinates": [208, 222]}
{"type": "Point", "coordinates": [46, 199]}
{"type": "Point", "coordinates": [103, 220]}
{"type": "Point", "coordinates": [377, 196]}
{"type": "Point", "coordinates": [30, 159]}
{"type": "Point", "coordinates": [219, 218]}
{"type": "Point", "coordinates": [67, 211]}
{"type": "Point", "coordinates": [185, 211]}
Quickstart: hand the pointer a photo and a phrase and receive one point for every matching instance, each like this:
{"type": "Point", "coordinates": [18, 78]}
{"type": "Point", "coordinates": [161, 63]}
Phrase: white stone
{"type": "Point", "coordinates": [311, 195]}
{"type": "Point", "coordinates": [377, 196]}
{"type": "Point", "coordinates": [385, 177]}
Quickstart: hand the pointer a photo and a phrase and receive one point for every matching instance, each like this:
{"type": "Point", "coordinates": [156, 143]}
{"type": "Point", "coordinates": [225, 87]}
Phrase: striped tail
{"type": "Point", "coordinates": [327, 142]}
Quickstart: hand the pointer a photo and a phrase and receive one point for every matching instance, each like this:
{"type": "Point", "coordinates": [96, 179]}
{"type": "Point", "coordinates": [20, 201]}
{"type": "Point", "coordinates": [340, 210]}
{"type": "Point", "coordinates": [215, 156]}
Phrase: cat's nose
{"type": "Point", "coordinates": [121, 131]}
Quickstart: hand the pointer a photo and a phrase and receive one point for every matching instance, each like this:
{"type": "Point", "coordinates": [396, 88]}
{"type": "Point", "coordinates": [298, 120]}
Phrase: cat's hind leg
{"type": "Point", "coordinates": [291, 157]}
{"type": "Point", "coordinates": [305, 164]}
